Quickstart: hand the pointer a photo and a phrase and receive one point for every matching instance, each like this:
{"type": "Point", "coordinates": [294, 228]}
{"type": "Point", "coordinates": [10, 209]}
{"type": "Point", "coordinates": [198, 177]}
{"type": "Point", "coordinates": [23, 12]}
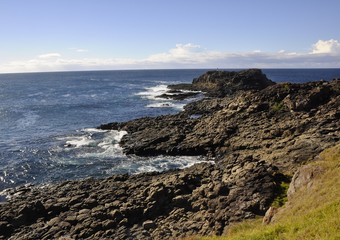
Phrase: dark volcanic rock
{"type": "Point", "coordinates": [284, 123]}
{"type": "Point", "coordinates": [203, 199]}
{"type": "Point", "coordinates": [222, 83]}
{"type": "Point", "coordinates": [178, 94]}
{"type": "Point", "coordinates": [255, 137]}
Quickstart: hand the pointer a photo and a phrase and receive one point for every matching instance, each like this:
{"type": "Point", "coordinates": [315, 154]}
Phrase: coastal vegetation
{"type": "Point", "coordinates": [312, 213]}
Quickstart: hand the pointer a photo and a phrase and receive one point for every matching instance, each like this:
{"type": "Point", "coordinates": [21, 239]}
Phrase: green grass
{"type": "Point", "coordinates": [312, 213]}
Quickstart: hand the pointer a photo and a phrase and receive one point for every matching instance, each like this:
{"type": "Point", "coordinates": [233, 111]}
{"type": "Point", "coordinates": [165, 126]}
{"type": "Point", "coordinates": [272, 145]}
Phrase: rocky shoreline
{"type": "Point", "coordinates": [257, 132]}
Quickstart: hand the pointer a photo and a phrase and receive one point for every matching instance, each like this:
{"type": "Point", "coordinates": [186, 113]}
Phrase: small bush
{"type": "Point", "coordinates": [278, 106]}
{"type": "Point", "coordinates": [281, 195]}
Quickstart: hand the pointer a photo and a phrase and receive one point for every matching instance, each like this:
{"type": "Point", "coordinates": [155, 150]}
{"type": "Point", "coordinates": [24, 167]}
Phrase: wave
{"type": "Point", "coordinates": [178, 106]}
{"type": "Point", "coordinates": [92, 137]}
{"type": "Point", "coordinates": [135, 165]}
{"type": "Point", "coordinates": [96, 147]}
{"type": "Point", "coordinates": [152, 93]}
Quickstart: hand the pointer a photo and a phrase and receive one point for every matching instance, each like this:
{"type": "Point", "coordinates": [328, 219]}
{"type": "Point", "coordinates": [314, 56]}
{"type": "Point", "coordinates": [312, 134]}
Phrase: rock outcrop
{"type": "Point", "coordinates": [286, 124]}
{"type": "Point", "coordinates": [203, 199]}
{"type": "Point", "coordinates": [222, 83]}
{"type": "Point", "coordinates": [303, 177]}
{"type": "Point", "coordinates": [254, 130]}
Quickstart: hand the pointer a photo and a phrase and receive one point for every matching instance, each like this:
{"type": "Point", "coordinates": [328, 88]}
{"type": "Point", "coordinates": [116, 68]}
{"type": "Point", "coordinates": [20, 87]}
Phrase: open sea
{"type": "Point", "coordinates": [48, 120]}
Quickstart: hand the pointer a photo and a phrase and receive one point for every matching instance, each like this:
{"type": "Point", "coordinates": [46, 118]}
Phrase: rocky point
{"type": "Point", "coordinates": [256, 132]}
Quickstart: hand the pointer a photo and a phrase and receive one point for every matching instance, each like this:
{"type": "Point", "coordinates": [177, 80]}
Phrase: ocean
{"type": "Point", "coordinates": [48, 121]}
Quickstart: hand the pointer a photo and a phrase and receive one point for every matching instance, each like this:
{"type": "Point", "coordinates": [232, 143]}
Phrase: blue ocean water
{"type": "Point", "coordinates": [48, 120]}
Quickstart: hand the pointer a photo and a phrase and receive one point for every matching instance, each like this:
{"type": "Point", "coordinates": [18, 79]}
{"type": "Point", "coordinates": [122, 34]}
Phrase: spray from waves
{"type": "Point", "coordinates": [86, 153]}
{"type": "Point", "coordinates": [152, 93]}
{"type": "Point", "coordinates": [135, 165]}
{"type": "Point", "coordinates": [178, 106]}
{"type": "Point", "coordinates": [101, 149]}
{"type": "Point", "coordinates": [91, 142]}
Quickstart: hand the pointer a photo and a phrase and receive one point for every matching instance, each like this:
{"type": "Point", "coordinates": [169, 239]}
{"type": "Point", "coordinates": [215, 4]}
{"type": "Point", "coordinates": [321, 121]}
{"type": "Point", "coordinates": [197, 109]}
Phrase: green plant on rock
{"type": "Point", "coordinates": [281, 194]}
{"type": "Point", "coordinates": [286, 86]}
{"type": "Point", "coordinates": [278, 106]}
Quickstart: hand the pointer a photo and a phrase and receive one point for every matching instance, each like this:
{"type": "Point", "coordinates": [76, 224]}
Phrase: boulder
{"type": "Point", "coordinates": [303, 177]}
{"type": "Point", "coordinates": [222, 83]}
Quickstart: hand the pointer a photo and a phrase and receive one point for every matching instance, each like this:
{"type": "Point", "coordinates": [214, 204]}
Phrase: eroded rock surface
{"type": "Point", "coordinates": [222, 83]}
{"type": "Point", "coordinates": [254, 130]}
{"type": "Point", "coordinates": [286, 124]}
{"type": "Point", "coordinates": [202, 199]}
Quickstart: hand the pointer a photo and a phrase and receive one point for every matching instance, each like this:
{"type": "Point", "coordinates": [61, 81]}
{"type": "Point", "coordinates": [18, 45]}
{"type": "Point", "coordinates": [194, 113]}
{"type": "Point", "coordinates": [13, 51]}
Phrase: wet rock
{"type": "Point", "coordinates": [254, 132]}
{"type": "Point", "coordinates": [178, 95]}
{"type": "Point", "coordinates": [262, 123]}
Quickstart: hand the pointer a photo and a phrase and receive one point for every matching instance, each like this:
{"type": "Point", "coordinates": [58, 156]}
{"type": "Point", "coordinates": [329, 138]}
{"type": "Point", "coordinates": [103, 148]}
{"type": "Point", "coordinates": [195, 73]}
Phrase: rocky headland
{"type": "Point", "coordinates": [257, 132]}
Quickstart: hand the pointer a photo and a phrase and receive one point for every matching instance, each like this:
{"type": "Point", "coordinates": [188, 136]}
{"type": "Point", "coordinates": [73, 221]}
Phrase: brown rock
{"type": "Point", "coordinates": [148, 224]}
{"type": "Point", "coordinates": [303, 177]}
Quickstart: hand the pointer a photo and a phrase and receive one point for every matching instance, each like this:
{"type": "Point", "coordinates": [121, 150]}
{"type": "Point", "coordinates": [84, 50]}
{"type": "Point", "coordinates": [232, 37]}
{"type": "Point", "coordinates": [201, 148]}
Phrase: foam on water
{"type": "Point", "coordinates": [151, 93]}
{"type": "Point", "coordinates": [40, 112]}
{"type": "Point", "coordinates": [93, 143]}
{"type": "Point", "coordinates": [101, 147]}
{"type": "Point", "coordinates": [135, 165]}
{"type": "Point", "coordinates": [178, 106]}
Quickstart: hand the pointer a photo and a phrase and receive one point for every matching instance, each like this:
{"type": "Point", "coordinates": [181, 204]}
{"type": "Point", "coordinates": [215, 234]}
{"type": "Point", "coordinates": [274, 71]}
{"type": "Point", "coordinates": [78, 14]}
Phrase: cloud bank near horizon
{"type": "Point", "coordinates": [324, 53]}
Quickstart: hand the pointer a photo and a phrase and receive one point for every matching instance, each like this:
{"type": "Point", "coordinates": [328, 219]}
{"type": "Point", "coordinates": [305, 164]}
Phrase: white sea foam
{"type": "Point", "coordinates": [110, 145]}
{"type": "Point", "coordinates": [179, 106]}
{"type": "Point", "coordinates": [135, 165]}
{"type": "Point", "coordinates": [161, 105]}
{"type": "Point", "coordinates": [81, 141]}
{"type": "Point", "coordinates": [95, 143]}
{"type": "Point", "coordinates": [36, 94]}
{"type": "Point", "coordinates": [152, 92]}
{"type": "Point", "coordinates": [92, 130]}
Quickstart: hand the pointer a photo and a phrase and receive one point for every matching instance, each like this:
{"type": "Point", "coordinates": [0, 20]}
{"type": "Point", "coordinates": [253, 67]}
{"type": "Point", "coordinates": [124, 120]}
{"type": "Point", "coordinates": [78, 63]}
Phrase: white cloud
{"type": "Point", "coordinates": [185, 53]}
{"type": "Point", "coordinates": [79, 50]}
{"type": "Point", "coordinates": [49, 55]}
{"type": "Point", "coordinates": [324, 53]}
{"type": "Point", "coordinates": [329, 46]}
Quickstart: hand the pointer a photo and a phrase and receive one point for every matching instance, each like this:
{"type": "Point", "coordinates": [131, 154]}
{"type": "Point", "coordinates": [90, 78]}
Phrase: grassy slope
{"type": "Point", "coordinates": [312, 213]}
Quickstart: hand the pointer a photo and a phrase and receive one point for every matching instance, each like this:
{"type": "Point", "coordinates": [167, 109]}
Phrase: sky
{"type": "Point", "coordinates": [74, 35]}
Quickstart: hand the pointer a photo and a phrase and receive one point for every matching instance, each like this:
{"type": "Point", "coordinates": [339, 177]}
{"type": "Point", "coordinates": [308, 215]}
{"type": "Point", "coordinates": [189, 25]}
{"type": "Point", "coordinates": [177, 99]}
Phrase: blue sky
{"type": "Point", "coordinates": [46, 35]}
